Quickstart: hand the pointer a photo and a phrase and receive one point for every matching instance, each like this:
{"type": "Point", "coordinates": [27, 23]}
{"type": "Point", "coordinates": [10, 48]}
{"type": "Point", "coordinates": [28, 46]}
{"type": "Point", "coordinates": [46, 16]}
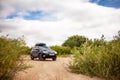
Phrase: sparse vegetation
{"type": "Point", "coordinates": [10, 57]}
{"type": "Point", "coordinates": [25, 50]}
{"type": "Point", "coordinates": [61, 50]}
{"type": "Point", "coordinates": [99, 58]}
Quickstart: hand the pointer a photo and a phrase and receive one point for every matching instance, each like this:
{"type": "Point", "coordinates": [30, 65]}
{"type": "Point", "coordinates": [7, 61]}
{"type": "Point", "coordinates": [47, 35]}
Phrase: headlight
{"type": "Point", "coordinates": [55, 52]}
{"type": "Point", "coordinates": [45, 52]}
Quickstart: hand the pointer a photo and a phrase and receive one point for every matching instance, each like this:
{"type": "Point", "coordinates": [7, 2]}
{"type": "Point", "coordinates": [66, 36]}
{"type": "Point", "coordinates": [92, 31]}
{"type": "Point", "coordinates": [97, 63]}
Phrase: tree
{"type": "Point", "coordinates": [117, 37]}
{"type": "Point", "coordinates": [75, 41]}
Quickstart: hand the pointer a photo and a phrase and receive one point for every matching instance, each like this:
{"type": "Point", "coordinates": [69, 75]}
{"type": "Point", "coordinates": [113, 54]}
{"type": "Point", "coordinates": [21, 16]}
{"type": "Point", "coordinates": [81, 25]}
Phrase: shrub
{"type": "Point", "coordinates": [10, 60]}
{"type": "Point", "coordinates": [62, 50]}
{"type": "Point", "coordinates": [25, 50]}
{"type": "Point", "coordinates": [75, 41]}
{"type": "Point", "coordinates": [102, 60]}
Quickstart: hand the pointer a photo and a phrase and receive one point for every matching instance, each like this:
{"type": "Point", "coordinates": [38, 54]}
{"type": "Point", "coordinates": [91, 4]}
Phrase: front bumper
{"type": "Point", "coordinates": [50, 55]}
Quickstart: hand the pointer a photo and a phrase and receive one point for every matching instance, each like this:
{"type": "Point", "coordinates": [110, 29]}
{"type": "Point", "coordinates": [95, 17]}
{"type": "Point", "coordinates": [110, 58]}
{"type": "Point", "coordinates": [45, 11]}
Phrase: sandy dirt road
{"type": "Point", "coordinates": [50, 70]}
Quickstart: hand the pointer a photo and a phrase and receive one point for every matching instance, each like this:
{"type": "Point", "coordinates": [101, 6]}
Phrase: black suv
{"type": "Point", "coordinates": [41, 51]}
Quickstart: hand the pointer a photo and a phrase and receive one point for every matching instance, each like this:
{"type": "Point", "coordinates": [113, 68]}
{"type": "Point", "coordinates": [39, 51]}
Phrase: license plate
{"type": "Point", "coordinates": [51, 54]}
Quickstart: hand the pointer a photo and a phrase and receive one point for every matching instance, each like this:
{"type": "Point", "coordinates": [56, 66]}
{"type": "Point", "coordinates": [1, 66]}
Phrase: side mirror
{"type": "Point", "coordinates": [37, 49]}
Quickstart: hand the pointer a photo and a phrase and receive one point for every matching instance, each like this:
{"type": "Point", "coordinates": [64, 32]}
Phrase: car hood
{"type": "Point", "coordinates": [48, 50]}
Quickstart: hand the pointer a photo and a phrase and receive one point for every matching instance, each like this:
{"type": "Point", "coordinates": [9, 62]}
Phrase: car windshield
{"type": "Point", "coordinates": [45, 47]}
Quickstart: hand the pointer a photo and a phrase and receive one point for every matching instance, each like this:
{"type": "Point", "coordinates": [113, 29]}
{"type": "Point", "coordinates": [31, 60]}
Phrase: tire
{"type": "Point", "coordinates": [41, 58]}
{"type": "Point", "coordinates": [54, 58]}
{"type": "Point", "coordinates": [32, 58]}
{"type": "Point", "coordinates": [44, 59]}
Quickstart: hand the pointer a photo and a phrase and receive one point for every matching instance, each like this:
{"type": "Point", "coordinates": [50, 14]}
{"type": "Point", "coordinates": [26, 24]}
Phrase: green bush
{"type": "Point", "coordinates": [75, 41]}
{"type": "Point", "coordinates": [10, 59]}
{"type": "Point", "coordinates": [102, 60]}
{"type": "Point", "coordinates": [25, 50]}
{"type": "Point", "coordinates": [62, 50]}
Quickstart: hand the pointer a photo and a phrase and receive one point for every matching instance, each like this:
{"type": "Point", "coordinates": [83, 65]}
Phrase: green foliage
{"type": "Point", "coordinates": [25, 50]}
{"type": "Point", "coordinates": [99, 42]}
{"type": "Point", "coordinates": [101, 60]}
{"type": "Point", "coordinates": [10, 60]}
{"type": "Point", "coordinates": [74, 41]}
{"type": "Point", "coordinates": [61, 50]}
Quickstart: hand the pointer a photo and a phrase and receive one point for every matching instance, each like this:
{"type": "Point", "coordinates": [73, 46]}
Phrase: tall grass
{"type": "Point", "coordinates": [10, 60]}
{"type": "Point", "coordinates": [98, 60]}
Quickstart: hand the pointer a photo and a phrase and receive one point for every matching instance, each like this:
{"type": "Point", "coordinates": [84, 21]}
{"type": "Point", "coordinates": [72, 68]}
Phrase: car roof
{"type": "Point", "coordinates": [40, 44]}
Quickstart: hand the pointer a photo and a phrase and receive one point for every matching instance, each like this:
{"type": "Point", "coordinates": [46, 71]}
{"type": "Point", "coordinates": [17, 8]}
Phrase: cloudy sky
{"type": "Point", "coordinates": [53, 21]}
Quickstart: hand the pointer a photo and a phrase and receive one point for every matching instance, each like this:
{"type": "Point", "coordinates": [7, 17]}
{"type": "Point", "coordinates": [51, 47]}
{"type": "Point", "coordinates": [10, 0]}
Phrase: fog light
{"type": "Point", "coordinates": [43, 55]}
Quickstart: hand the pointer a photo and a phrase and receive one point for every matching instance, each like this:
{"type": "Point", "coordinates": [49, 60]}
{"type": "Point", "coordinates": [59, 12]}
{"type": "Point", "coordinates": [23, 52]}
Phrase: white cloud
{"type": "Point", "coordinates": [74, 17]}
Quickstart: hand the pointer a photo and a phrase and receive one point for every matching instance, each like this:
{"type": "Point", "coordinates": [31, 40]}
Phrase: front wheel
{"type": "Point", "coordinates": [54, 58]}
{"type": "Point", "coordinates": [40, 57]}
{"type": "Point", "coordinates": [32, 58]}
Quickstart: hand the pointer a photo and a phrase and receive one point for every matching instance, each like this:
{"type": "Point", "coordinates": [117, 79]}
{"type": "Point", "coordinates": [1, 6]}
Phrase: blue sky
{"type": "Point", "coordinates": [53, 21]}
{"type": "Point", "coordinates": [107, 3]}
{"type": "Point", "coordinates": [34, 15]}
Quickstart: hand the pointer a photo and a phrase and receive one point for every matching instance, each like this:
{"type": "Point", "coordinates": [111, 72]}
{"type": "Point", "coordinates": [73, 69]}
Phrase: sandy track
{"type": "Point", "coordinates": [50, 70]}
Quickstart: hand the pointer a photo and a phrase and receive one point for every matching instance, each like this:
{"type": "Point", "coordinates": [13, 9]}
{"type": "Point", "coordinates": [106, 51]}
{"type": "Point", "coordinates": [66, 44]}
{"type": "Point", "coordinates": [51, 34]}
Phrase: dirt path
{"type": "Point", "coordinates": [50, 70]}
